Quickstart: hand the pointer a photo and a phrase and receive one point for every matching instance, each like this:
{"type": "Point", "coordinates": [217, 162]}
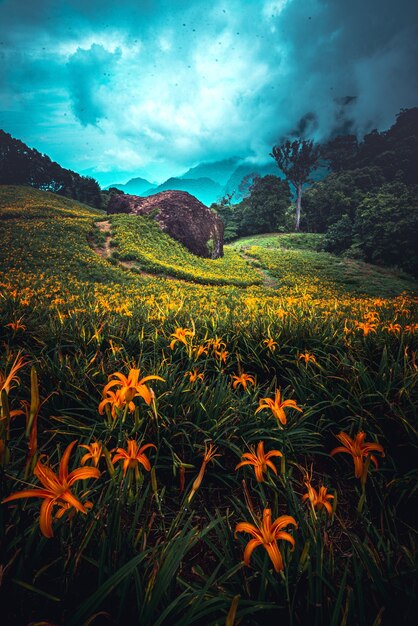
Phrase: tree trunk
{"type": "Point", "coordinates": [298, 206]}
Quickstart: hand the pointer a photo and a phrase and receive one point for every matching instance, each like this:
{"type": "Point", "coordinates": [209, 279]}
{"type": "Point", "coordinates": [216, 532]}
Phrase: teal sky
{"type": "Point", "coordinates": [150, 88]}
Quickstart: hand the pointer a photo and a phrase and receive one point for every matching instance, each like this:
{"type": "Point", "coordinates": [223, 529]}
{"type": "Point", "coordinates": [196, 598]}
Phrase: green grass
{"type": "Point", "coordinates": [140, 239]}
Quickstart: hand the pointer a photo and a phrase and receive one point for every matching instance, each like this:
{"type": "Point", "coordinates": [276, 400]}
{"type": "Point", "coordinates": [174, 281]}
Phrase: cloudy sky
{"type": "Point", "coordinates": [153, 87]}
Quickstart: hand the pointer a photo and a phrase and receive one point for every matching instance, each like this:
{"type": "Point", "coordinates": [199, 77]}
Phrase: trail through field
{"type": "Point", "coordinates": [104, 250]}
{"type": "Point", "coordinates": [268, 280]}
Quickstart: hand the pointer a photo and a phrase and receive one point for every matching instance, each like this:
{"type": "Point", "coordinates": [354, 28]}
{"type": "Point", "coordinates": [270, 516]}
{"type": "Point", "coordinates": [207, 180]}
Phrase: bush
{"type": "Point", "coordinates": [339, 236]}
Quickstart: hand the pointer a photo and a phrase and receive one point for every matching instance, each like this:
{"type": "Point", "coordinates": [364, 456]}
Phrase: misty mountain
{"type": "Point", "coordinates": [135, 186]}
{"type": "Point", "coordinates": [218, 171]}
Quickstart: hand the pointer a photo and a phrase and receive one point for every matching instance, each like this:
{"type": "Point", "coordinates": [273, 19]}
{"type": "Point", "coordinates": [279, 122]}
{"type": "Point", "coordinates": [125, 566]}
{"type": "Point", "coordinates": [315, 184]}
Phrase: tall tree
{"type": "Point", "coordinates": [296, 159]}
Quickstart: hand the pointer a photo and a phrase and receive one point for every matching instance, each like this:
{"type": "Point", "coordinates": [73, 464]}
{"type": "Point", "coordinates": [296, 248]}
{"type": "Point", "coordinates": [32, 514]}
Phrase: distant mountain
{"type": "Point", "coordinates": [204, 189]}
{"type": "Point", "coordinates": [135, 186]}
{"type": "Point", "coordinates": [218, 171]}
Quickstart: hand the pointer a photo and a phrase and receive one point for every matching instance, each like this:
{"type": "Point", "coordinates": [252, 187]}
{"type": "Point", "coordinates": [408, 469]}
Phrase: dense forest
{"type": "Point", "coordinates": [21, 165]}
{"type": "Point", "coordinates": [367, 204]}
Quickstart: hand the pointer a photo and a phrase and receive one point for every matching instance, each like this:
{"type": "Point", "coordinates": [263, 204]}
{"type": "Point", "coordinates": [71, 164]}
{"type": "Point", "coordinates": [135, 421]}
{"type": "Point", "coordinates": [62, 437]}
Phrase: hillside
{"type": "Point", "coordinates": [177, 402]}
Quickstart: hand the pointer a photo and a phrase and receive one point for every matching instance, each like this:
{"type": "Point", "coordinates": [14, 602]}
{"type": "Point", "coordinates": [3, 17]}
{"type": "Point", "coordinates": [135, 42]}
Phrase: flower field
{"type": "Point", "coordinates": [207, 451]}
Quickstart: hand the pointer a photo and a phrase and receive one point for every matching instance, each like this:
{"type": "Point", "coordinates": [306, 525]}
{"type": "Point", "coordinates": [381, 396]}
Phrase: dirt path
{"type": "Point", "coordinates": [105, 250]}
{"type": "Point", "coordinates": [268, 281]}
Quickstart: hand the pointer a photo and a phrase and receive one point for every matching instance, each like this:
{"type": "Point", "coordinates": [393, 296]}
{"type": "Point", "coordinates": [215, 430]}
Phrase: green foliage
{"type": "Point", "coordinates": [262, 211]}
{"type": "Point", "coordinates": [338, 194]}
{"type": "Point", "coordinates": [339, 235]}
{"type": "Point", "coordinates": [386, 226]}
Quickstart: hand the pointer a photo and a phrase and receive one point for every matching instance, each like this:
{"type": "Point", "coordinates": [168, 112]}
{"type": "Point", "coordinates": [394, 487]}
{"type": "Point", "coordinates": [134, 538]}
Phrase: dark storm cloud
{"type": "Point", "coordinates": [156, 86]}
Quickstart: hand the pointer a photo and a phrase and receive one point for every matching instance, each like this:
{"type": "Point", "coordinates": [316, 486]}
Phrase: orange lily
{"type": "Point", "coordinates": [318, 499]}
{"type": "Point", "coordinates": [16, 325]}
{"type": "Point", "coordinates": [6, 381]}
{"type": "Point", "coordinates": [270, 344]}
{"type": "Point", "coordinates": [366, 327]}
{"type": "Point", "coordinates": [131, 387]}
{"type": "Point", "coordinates": [194, 375]}
{"type": "Point", "coordinates": [117, 402]}
{"type": "Point", "coordinates": [95, 452]}
{"type": "Point", "coordinates": [267, 534]}
{"type": "Point", "coordinates": [277, 407]}
{"type": "Point", "coordinates": [133, 456]}
{"type": "Point", "coordinates": [358, 449]}
{"type": "Point", "coordinates": [243, 380]}
{"type": "Point", "coordinates": [180, 334]}
{"type": "Point", "coordinates": [209, 455]}
{"type": "Point", "coordinates": [259, 460]}
{"type": "Point", "coordinates": [307, 357]}
{"type": "Point", "coordinates": [393, 328]}
{"type": "Point", "coordinates": [56, 489]}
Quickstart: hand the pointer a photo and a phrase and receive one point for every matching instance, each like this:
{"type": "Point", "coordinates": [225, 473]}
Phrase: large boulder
{"type": "Point", "coordinates": [180, 215]}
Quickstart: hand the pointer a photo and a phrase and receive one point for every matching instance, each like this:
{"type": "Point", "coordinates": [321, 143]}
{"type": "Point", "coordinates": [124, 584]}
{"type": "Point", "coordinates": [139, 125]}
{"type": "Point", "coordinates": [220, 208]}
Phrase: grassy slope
{"type": "Point", "coordinates": [292, 258]}
{"type": "Point", "coordinates": [85, 318]}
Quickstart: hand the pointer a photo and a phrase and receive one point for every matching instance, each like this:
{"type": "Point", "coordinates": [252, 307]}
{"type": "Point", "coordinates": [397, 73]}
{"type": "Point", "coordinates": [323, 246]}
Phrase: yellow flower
{"type": "Point", "coordinates": [243, 379]}
{"type": "Point", "coordinates": [260, 460]}
{"type": "Point", "coordinates": [56, 490]}
{"type": "Point", "coordinates": [267, 534]}
{"type": "Point", "coordinates": [95, 452]}
{"type": "Point", "coordinates": [277, 407]}
{"type": "Point", "coordinates": [131, 387]}
{"type": "Point", "coordinates": [133, 456]}
{"type": "Point", "coordinates": [358, 449]}
{"type": "Point", "coordinates": [180, 334]}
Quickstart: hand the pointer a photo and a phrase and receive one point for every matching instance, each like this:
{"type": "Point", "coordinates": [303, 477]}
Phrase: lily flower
{"type": "Point", "coordinates": [307, 357]}
{"type": "Point", "coordinates": [194, 375]}
{"type": "Point", "coordinates": [270, 344]}
{"type": "Point", "coordinates": [319, 499]}
{"type": "Point", "coordinates": [277, 406]}
{"type": "Point", "coordinates": [95, 452]}
{"type": "Point", "coordinates": [7, 380]}
{"type": "Point", "coordinates": [209, 455]}
{"type": "Point", "coordinates": [358, 450]}
{"type": "Point", "coordinates": [16, 325]}
{"type": "Point", "coordinates": [117, 403]}
{"type": "Point", "coordinates": [133, 456]}
{"type": "Point", "coordinates": [56, 489]}
{"type": "Point", "coordinates": [243, 379]}
{"type": "Point", "coordinates": [259, 460]}
{"type": "Point", "coordinates": [130, 387]}
{"type": "Point", "coordinates": [366, 327]}
{"type": "Point", "coordinates": [267, 534]}
{"type": "Point", "coordinates": [180, 335]}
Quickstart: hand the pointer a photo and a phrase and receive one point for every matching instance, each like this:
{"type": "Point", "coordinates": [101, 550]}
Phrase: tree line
{"type": "Point", "coordinates": [21, 165]}
{"type": "Point", "coordinates": [366, 204]}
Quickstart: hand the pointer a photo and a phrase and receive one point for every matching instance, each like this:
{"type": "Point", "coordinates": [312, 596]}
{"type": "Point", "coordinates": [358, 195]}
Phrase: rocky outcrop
{"type": "Point", "coordinates": [180, 215]}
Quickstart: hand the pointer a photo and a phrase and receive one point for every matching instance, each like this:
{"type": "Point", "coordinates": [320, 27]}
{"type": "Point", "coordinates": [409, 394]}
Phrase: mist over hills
{"type": "Point", "coordinates": [208, 181]}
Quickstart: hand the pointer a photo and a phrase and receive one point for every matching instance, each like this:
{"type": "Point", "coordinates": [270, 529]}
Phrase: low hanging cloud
{"type": "Point", "coordinates": [155, 87]}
